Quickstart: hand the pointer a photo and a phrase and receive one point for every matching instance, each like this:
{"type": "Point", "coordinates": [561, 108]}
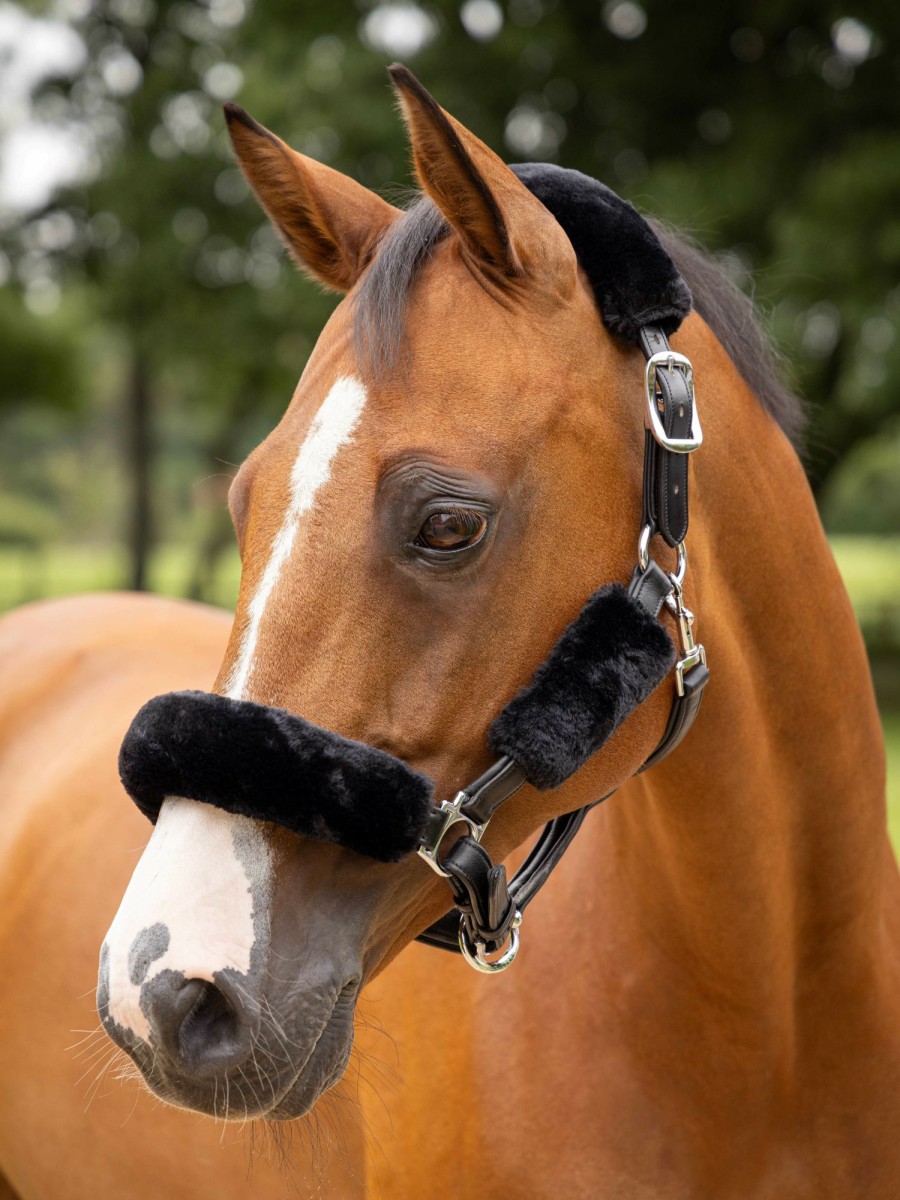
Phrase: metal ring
{"type": "Point", "coordinates": [681, 567]}
{"type": "Point", "coordinates": [644, 548]}
{"type": "Point", "coordinates": [477, 958]}
{"type": "Point", "coordinates": [677, 576]}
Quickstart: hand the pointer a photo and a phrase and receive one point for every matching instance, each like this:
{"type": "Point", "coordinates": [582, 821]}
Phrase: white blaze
{"type": "Point", "coordinates": [191, 879]}
{"type": "Point", "coordinates": [332, 428]}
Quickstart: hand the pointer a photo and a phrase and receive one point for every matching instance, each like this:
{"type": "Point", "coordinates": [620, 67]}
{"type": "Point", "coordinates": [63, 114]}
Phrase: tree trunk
{"type": "Point", "coordinates": [138, 455]}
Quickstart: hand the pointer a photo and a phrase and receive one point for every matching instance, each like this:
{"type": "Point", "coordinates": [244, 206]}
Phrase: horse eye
{"type": "Point", "coordinates": [452, 530]}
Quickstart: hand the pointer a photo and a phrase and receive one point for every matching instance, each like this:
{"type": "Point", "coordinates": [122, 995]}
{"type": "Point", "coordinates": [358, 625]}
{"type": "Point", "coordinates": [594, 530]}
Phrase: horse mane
{"type": "Point", "coordinates": [736, 322]}
{"type": "Point", "coordinates": [379, 317]}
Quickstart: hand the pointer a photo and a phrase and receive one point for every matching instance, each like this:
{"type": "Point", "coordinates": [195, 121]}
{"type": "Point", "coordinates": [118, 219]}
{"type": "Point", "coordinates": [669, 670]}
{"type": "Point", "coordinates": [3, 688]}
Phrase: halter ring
{"type": "Point", "coordinates": [476, 957]}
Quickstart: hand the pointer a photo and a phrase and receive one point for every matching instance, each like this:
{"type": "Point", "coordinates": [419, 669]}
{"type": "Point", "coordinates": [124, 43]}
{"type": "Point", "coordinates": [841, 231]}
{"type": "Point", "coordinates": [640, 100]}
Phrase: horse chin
{"type": "Point", "coordinates": [325, 1068]}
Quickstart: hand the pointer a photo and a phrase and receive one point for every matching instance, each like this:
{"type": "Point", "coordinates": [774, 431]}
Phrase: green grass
{"type": "Point", "coordinates": [871, 570]}
{"type": "Point", "coordinates": [68, 569]}
{"type": "Point", "coordinates": [870, 567]}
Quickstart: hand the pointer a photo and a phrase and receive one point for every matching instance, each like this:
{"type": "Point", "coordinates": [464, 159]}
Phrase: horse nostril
{"type": "Point", "coordinates": [199, 1026]}
{"type": "Point", "coordinates": [212, 1027]}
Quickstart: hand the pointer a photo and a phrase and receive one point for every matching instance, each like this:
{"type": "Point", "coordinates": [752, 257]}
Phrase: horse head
{"type": "Point", "coordinates": [459, 467]}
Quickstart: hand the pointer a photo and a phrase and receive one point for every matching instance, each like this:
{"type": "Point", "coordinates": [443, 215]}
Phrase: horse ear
{"type": "Point", "coordinates": [329, 223]}
{"type": "Point", "coordinates": [501, 223]}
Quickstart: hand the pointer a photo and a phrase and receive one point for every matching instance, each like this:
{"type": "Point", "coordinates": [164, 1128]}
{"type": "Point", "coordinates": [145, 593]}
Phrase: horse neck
{"type": "Point", "coordinates": [759, 849]}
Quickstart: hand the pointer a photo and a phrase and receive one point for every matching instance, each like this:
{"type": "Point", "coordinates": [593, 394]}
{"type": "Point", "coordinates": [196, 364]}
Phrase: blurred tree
{"type": "Point", "coordinates": [40, 359]}
{"type": "Point", "coordinates": [770, 130]}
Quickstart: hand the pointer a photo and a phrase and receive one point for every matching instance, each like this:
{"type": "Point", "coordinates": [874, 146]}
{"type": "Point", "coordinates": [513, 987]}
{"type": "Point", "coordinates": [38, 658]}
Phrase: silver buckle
{"type": "Point", "coordinates": [697, 655]}
{"type": "Point", "coordinates": [668, 360]}
{"type": "Point", "coordinates": [440, 822]}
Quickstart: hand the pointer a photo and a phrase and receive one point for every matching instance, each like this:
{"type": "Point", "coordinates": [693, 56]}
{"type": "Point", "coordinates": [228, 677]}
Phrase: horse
{"type": "Point", "coordinates": [705, 1002]}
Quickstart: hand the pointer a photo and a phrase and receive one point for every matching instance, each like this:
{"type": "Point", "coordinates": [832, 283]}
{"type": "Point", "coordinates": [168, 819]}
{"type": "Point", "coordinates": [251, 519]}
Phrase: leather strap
{"type": "Point", "coordinates": [480, 891]}
{"type": "Point", "coordinates": [650, 587]}
{"type": "Point", "coordinates": [652, 340]}
{"type": "Point", "coordinates": [555, 839]}
{"type": "Point", "coordinates": [682, 714]}
{"type": "Point", "coordinates": [492, 789]}
{"type": "Point", "coordinates": [665, 499]}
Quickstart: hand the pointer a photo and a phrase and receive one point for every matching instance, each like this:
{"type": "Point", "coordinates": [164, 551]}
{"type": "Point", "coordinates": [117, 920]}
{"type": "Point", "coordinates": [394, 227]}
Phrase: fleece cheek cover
{"type": "Point", "coordinates": [604, 665]}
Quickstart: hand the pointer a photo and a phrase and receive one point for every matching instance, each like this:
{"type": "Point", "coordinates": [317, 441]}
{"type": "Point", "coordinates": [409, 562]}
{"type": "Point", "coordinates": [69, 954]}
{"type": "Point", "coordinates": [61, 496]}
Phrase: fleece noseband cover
{"type": "Point", "coordinates": [268, 764]}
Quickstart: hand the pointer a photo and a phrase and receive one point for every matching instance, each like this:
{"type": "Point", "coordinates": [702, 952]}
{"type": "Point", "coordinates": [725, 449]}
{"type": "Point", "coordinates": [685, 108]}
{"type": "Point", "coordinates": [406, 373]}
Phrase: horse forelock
{"type": "Point", "coordinates": [379, 318]}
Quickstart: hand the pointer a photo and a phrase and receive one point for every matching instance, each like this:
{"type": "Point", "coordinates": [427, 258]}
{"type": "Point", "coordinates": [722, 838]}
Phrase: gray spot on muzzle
{"type": "Point", "coordinates": [149, 945]}
{"type": "Point", "coordinates": [103, 982]}
{"type": "Point", "coordinates": [252, 852]}
{"type": "Point", "coordinates": [124, 1038]}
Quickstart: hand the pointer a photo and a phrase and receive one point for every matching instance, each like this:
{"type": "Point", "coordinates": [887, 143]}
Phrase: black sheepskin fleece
{"type": "Point", "coordinates": [604, 665]}
{"type": "Point", "coordinates": [266, 763]}
{"type": "Point", "coordinates": [634, 280]}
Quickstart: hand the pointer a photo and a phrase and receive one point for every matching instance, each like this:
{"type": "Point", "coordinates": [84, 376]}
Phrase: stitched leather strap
{"type": "Point", "coordinates": [665, 500]}
{"type": "Point", "coordinates": [682, 714]}
{"type": "Point", "coordinates": [480, 891]}
{"type": "Point", "coordinates": [492, 789]}
{"type": "Point", "coordinates": [650, 587]}
{"type": "Point", "coordinates": [555, 839]}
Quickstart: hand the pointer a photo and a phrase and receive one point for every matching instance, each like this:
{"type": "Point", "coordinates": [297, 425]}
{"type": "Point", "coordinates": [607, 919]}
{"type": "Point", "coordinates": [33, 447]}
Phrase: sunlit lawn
{"type": "Point", "coordinates": [871, 570]}
{"type": "Point", "coordinates": [891, 722]}
{"type": "Point", "coordinates": [870, 566]}
{"type": "Point", "coordinates": [66, 570]}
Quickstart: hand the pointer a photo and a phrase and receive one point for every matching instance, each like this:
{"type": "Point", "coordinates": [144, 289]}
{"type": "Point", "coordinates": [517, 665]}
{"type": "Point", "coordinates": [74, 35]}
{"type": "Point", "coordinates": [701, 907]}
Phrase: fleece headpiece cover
{"type": "Point", "coordinates": [633, 278]}
{"type": "Point", "coordinates": [269, 764]}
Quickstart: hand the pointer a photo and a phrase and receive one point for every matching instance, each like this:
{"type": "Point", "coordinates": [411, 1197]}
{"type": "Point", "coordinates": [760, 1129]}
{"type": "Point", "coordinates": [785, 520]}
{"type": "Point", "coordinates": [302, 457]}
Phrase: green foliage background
{"type": "Point", "coordinates": [151, 331]}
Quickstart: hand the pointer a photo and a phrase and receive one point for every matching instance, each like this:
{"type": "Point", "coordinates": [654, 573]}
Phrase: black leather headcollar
{"type": "Point", "coordinates": [272, 765]}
